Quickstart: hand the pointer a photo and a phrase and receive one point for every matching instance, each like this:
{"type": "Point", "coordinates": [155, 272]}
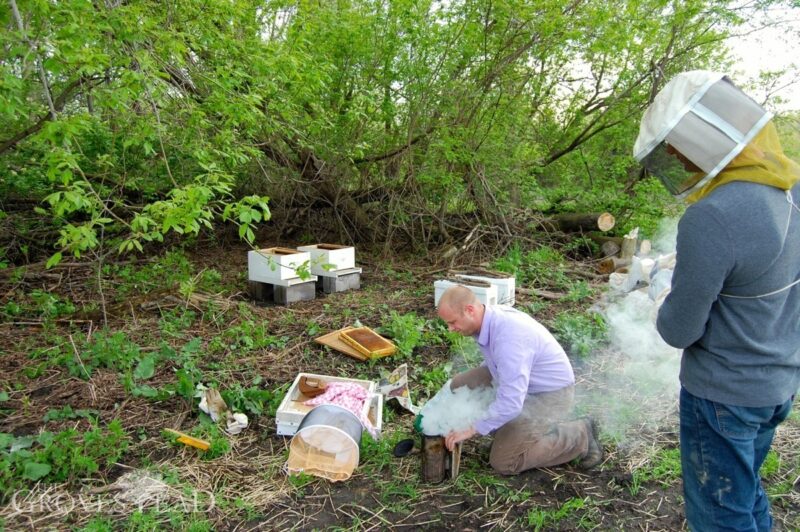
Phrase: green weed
{"type": "Point", "coordinates": [664, 467]}
{"type": "Point", "coordinates": [152, 520]}
{"type": "Point", "coordinates": [582, 246]}
{"type": "Point", "coordinates": [205, 281]}
{"type": "Point", "coordinates": [405, 276]}
{"type": "Point", "coordinates": [571, 509]}
{"type": "Point", "coordinates": [543, 266]}
{"type": "Point", "coordinates": [578, 291]}
{"type": "Point", "coordinates": [37, 304]}
{"type": "Point", "coordinates": [771, 465]}
{"type": "Point", "coordinates": [399, 496]}
{"type": "Point", "coordinates": [174, 322]}
{"type": "Point", "coordinates": [377, 455]}
{"type": "Point", "coordinates": [299, 481]}
{"type": "Point", "coordinates": [406, 330]}
{"type": "Point", "coordinates": [98, 524]}
{"type": "Point", "coordinates": [313, 328]}
{"type": "Point", "coordinates": [58, 457]}
{"type": "Point", "coordinates": [254, 400]}
{"type": "Point", "coordinates": [105, 350]}
{"type": "Point", "coordinates": [580, 334]}
{"type": "Point", "coordinates": [249, 335]}
{"type": "Point", "coordinates": [433, 379]}
{"type": "Point", "coordinates": [513, 496]}
{"type": "Point", "coordinates": [465, 348]}
{"type": "Point", "coordinates": [436, 333]}
{"type": "Point", "coordinates": [56, 414]}
{"type": "Point", "coordinates": [475, 479]}
{"type": "Point", "coordinates": [166, 272]}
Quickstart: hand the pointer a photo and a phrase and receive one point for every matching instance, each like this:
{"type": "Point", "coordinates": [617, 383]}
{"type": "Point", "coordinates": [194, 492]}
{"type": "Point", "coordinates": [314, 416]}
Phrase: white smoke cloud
{"type": "Point", "coordinates": [455, 410]}
{"type": "Point", "coordinates": [633, 383]}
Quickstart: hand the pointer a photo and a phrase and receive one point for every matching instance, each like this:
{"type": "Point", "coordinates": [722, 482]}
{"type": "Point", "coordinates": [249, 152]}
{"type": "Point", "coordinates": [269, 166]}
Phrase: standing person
{"type": "Point", "coordinates": [535, 388]}
{"type": "Point", "coordinates": [734, 306]}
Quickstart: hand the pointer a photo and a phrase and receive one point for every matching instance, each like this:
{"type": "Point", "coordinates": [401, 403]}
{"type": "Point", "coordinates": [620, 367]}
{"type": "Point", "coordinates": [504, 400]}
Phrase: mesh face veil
{"type": "Point", "coordinates": [695, 126]}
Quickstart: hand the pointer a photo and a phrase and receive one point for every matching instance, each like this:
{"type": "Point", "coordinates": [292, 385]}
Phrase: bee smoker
{"type": "Point", "coordinates": [437, 462]}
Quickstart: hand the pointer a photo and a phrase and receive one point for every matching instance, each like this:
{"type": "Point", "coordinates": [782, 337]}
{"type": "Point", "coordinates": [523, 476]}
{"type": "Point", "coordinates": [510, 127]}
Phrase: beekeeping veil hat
{"type": "Point", "coordinates": [707, 119]}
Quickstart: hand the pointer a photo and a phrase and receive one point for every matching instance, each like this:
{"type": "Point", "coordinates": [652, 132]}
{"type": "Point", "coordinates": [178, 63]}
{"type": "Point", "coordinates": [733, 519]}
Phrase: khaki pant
{"type": "Point", "coordinates": [541, 436]}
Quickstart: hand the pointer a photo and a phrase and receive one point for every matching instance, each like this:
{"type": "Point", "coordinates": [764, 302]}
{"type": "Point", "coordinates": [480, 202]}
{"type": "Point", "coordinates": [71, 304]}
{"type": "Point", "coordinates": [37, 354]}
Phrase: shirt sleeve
{"type": "Point", "coordinates": [704, 260]}
{"type": "Point", "coordinates": [514, 361]}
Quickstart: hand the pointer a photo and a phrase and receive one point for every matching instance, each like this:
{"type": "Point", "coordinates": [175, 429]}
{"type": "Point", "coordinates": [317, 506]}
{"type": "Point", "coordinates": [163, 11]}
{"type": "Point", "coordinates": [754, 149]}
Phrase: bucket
{"type": "Point", "coordinates": [326, 443]}
{"type": "Point", "coordinates": [437, 462]}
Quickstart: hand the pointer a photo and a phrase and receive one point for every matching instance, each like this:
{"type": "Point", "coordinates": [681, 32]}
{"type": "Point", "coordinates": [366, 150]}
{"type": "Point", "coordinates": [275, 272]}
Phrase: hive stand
{"type": "Point", "coordinates": [339, 280]}
{"type": "Point", "coordinates": [283, 292]}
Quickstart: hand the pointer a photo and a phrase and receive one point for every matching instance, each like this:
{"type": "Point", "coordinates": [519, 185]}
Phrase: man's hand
{"type": "Point", "coordinates": [456, 436]}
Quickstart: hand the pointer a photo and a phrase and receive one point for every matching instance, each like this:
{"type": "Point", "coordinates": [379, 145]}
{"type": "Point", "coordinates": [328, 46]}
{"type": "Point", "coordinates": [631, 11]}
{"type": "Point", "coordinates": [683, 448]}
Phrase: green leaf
{"type": "Point", "coordinates": [145, 391]}
{"type": "Point", "coordinates": [35, 470]}
{"type": "Point", "coordinates": [54, 260]}
{"type": "Point", "coordinates": [145, 369]}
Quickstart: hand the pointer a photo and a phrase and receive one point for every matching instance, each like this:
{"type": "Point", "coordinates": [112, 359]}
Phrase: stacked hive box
{"type": "Point", "coordinates": [485, 292]}
{"type": "Point", "coordinates": [273, 275]}
{"type": "Point", "coordinates": [335, 267]}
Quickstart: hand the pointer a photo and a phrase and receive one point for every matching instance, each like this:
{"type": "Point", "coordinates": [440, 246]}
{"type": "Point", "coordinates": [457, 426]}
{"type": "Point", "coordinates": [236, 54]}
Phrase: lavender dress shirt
{"type": "Point", "coordinates": [523, 358]}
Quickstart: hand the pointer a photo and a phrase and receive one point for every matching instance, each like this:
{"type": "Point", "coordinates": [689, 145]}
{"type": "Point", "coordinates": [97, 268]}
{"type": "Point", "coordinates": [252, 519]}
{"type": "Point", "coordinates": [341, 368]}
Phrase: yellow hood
{"type": "Point", "coordinates": [761, 161]}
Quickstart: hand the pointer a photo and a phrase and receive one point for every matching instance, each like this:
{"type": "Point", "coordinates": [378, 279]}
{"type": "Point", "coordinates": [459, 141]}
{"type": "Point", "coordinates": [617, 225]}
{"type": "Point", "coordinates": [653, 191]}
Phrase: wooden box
{"type": "Point", "coordinates": [292, 410]}
{"type": "Point", "coordinates": [336, 257]}
{"type": "Point", "coordinates": [485, 291]}
{"type": "Point", "coordinates": [506, 286]}
{"type": "Point", "coordinates": [271, 264]}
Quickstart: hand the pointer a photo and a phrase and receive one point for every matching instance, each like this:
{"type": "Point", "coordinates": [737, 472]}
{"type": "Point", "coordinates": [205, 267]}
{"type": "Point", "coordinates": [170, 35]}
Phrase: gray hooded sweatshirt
{"type": "Point", "coordinates": [740, 241]}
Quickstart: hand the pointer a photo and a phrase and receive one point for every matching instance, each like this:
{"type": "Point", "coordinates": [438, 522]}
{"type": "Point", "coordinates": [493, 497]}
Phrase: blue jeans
{"type": "Point", "coordinates": [722, 449]}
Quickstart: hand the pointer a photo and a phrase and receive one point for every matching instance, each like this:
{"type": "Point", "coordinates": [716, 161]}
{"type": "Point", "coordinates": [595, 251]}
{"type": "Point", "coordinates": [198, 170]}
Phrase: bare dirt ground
{"type": "Point", "coordinates": [156, 484]}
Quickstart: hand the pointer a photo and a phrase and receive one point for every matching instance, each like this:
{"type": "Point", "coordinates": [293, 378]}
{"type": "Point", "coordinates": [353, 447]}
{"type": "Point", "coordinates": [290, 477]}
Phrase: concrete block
{"type": "Point", "coordinates": [285, 295]}
{"type": "Point", "coordinates": [260, 292]}
{"type": "Point", "coordinates": [340, 283]}
{"type": "Point", "coordinates": [282, 295]}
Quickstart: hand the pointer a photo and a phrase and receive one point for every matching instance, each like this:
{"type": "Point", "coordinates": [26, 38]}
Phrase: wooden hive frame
{"type": "Point", "coordinates": [368, 342]}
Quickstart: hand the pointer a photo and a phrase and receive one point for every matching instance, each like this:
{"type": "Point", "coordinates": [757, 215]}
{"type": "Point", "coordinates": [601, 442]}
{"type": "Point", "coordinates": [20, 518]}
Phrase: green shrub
{"type": "Point", "coordinates": [406, 329]}
{"type": "Point", "coordinates": [105, 350]}
{"type": "Point", "coordinates": [254, 400]}
{"type": "Point", "coordinates": [580, 334]}
{"type": "Point", "coordinates": [543, 266]}
{"type": "Point", "coordinates": [58, 457]}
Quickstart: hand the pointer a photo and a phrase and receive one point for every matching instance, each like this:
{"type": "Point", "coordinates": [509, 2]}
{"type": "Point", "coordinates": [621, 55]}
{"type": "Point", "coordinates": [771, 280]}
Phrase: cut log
{"type": "Point", "coordinates": [628, 247]}
{"type": "Point", "coordinates": [612, 264]}
{"type": "Point", "coordinates": [609, 248]}
{"type": "Point", "coordinates": [602, 239]}
{"type": "Point", "coordinates": [573, 222]}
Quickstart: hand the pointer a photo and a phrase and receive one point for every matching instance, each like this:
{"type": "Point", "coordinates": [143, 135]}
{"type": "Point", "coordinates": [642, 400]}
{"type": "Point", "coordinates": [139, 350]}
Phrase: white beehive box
{"type": "Point", "coordinates": [292, 410]}
{"type": "Point", "coordinates": [486, 294]}
{"type": "Point", "coordinates": [340, 257]}
{"type": "Point", "coordinates": [271, 264]}
{"type": "Point", "coordinates": [506, 287]}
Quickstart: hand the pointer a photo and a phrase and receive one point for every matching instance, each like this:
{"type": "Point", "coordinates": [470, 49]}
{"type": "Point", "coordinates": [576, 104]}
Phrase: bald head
{"type": "Point", "coordinates": [461, 310]}
{"type": "Point", "coordinates": [457, 297]}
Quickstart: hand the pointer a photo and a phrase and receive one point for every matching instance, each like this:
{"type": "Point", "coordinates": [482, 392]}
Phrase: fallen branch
{"type": "Point", "coordinates": [544, 294]}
